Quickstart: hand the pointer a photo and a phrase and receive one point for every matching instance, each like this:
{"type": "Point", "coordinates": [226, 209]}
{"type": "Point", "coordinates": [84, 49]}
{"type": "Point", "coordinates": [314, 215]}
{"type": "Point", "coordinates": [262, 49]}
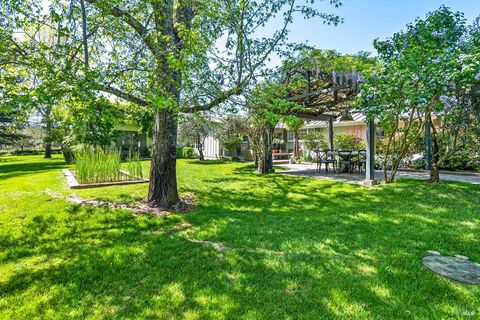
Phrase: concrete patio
{"type": "Point", "coordinates": [309, 170]}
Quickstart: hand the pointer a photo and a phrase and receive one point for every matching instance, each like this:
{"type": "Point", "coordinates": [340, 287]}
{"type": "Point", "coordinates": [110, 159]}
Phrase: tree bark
{"type": "Point", "coordinates": [47, 118]}
{"type": "Point", "coordinates": [296, 145]}
{"type": "Point", "coordinates": [48, 151]}
{"type": "Point", "coordinates": [162, 190]}
{"type": "Point", "coordinates": [434, 171]}
{"type": "Point", "coordinates": [265, 156]}
{"type": "Point", "coordinates": [201, 157]}
{"type": "Point", "coordinates": [434, 174]}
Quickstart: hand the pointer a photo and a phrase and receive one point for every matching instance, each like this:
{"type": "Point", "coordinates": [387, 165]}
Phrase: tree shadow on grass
{"type": "Point", "coordinates": [13, 170]}
{"type": "Point", "coordinates": [212, 161]}
{"type": "Point", "coordinates": [295, 248]}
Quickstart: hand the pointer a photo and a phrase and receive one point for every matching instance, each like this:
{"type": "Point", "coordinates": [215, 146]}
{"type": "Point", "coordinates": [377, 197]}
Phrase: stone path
{"type": "Point", "coordinates": [309, 170]}
{"type": "Point", "coordinates": [456, 268]}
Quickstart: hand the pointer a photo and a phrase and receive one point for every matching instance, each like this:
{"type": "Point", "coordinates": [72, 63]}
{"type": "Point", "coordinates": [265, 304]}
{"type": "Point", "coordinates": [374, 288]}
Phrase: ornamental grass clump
{"type": "Point", "coordinates": [97, 165]}
{"type": "Point", "coordinates": [134, 166]}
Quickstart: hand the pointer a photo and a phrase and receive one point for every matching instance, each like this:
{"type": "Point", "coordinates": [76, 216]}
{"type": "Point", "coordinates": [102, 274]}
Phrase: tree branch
{"type": "Point", "coordinates": [222, 97]}
{"type": "Point", "coordinates": [141, 30]}
{"type": "Point", "coordinates": [122, 95]}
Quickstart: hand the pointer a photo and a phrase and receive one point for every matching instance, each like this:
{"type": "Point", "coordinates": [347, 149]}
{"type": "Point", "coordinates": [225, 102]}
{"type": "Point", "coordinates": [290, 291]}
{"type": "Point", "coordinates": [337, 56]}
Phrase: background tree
{"type": "Point", "coordinates": [10, 125]}
{"type": "Point", "coordinates": [193, 129]}
{"type": "Point", "coordinates": [231, 131]}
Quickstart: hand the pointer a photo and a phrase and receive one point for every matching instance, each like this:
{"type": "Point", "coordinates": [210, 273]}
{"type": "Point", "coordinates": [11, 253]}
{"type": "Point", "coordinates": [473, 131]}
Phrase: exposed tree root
{"type": "Point", "coordinates": [217, 245]}
{"type": "Point", "coordinates": [186, 204]}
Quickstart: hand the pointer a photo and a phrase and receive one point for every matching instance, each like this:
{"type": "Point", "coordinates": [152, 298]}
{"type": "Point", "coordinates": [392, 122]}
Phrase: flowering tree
{"type": "Point", "coordinates": [428, 71]}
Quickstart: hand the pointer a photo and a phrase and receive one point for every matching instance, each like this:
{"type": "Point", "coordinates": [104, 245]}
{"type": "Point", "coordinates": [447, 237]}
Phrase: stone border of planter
{"type": "Point", "coordinates": [74, 184]}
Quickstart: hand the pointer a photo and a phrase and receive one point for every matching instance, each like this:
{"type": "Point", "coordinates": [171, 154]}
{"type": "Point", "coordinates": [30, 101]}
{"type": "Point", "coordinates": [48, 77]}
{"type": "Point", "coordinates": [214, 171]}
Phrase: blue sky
{"type": "Point", "coordinates": [366, 20]}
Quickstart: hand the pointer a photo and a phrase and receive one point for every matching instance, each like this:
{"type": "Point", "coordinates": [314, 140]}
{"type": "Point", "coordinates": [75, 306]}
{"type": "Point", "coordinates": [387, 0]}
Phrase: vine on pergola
{"type": "Point", "coordinates": [316, 85]}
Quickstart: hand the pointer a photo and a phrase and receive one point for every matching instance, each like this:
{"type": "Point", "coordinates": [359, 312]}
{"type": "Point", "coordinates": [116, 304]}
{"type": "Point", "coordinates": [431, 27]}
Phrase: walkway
{"type": "Point", "coordinates": [309, 170]}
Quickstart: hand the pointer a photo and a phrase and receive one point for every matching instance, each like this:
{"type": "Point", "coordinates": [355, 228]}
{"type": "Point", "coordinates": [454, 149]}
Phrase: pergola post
{"type": "Point", "coordinates": [370, 161]}
{"type": "Point", "coordinates": [428, 146]}
{"type": "Point", "coordinates": [330, 132]}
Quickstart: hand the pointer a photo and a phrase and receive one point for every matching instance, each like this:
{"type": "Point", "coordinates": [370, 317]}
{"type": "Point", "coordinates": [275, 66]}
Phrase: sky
{"type": "Point", "coordinates": [366, 20]}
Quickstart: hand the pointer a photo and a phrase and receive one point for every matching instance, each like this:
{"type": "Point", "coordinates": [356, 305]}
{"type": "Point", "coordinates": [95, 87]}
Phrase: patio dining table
{"type": "Point", "coordinates": [345, 157]}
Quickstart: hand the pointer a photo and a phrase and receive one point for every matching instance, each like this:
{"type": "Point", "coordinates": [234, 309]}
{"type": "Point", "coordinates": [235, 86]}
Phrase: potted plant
{"type": "Point", "coordinates": [277, 145]}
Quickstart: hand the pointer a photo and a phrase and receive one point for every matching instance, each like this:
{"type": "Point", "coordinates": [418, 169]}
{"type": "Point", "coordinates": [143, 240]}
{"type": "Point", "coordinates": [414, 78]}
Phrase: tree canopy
{"type": "Point", "coordinates": [429, 74]}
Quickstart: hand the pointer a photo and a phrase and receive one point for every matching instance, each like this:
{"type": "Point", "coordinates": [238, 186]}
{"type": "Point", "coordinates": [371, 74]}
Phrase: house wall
{"type": "Point", "coordinates": [358, 129]}
{"type": "Point", "coordinates": [211, 147]}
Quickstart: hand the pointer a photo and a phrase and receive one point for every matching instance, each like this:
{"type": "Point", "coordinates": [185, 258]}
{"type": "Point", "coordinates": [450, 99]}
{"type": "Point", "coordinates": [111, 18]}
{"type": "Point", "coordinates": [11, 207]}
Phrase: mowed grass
{"type": "Point", "coordinates": [296, 248]}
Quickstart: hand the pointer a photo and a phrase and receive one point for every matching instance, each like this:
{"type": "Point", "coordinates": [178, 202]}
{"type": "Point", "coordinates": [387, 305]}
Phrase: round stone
{"type": "Point", "coordinates": [454, 268]}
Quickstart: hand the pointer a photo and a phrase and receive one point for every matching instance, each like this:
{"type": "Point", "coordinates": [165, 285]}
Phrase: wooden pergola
{"type": "Point", "coordinates": [327, 96]}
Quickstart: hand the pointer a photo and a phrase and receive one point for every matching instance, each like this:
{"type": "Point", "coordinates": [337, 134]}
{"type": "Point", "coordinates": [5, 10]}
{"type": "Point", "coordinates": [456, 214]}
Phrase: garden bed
{"type": "Point", "coordinates": [74, 184]}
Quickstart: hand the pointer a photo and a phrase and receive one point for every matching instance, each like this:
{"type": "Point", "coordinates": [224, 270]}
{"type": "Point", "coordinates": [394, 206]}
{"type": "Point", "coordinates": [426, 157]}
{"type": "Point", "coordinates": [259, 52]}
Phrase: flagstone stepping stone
{"type": "Point", "coordinates": [456, 268]}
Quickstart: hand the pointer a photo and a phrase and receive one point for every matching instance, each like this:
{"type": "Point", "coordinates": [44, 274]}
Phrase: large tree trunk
{"type": "Point", "coordinates": [434, 174]}
{"type": "Point", "coordinates": [434, 171]}
{"type": "Point", "coordinates": [296, 145]}
{"type": "Point", "coordinates": [48, 151]}
{"type": "Point", "coordinates": [47, 118]}
{"type": "Point", "coordinates": [265, 156]}
{"type": "Point", "coordinates": [162, 190]}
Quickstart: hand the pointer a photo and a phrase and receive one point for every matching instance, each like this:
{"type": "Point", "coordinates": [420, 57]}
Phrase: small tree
{"type": "Point", "coordinates": [427, 72]}
{"type": "Point", "coordinates": [268, 107]}
{"type": "Point", "coordinates": [194, 129]}
{"type": "Point", "coordinates": [231, 131]}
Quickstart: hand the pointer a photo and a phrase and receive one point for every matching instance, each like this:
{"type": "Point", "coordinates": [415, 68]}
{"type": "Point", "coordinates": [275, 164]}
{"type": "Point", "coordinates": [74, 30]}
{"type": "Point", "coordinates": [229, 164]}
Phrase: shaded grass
{"type": "Point", "coordinates": [296, 248]}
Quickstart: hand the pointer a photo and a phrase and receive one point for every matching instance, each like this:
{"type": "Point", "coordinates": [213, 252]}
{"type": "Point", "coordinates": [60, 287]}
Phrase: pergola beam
{"type": "Point", "coordinates": [311, 94]}
{"type": "Point", "coordinates": [315, 116]}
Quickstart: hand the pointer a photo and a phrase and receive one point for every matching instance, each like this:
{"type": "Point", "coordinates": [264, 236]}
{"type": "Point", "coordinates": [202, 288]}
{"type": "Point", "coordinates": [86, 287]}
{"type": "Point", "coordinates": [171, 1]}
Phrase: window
{"type": "Point", "coordinates": [289, 135]}
{"type": "Point", "coordinates": [302, 133]}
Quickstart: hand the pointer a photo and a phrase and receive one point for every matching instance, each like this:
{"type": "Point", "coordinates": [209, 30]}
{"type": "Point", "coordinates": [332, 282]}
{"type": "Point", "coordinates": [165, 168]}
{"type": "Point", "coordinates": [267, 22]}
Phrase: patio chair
{"type": "Point", "coordinates": [327, 157]}
{"type": "Point", "coordinates": [362, 160]}
{"type": "Point", "coordinates": [346, 159]}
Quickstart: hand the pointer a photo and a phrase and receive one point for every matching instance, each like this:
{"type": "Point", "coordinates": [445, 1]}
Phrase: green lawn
{"type": "Point", "coordinates": [296, 248]}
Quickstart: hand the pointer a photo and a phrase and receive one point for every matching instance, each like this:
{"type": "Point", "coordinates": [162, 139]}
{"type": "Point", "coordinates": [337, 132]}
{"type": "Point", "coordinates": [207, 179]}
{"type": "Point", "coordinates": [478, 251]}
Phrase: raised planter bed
{"type": "Point", "coordinates": [74, 184]}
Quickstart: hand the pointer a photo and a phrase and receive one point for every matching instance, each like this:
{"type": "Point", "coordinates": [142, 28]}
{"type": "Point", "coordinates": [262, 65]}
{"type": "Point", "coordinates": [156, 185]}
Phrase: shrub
{"type": "Point", "coordinates": [179, 152]}
{"type": "Point", "coordinates": [25, 152]}
{"type": "Point", "coordinates": [418, 163]}
{"type": "Point", "coordinates": [306, 158]}
{"type": "Point", "coordinates": [380, 160]}
{"type": "Point", "coordinates": [187, 153]}
{"type": "Point", "coordinates": [315, 141]}
{"type": "Point", "coordinates": [68, 155]}
{"type": "Point", "coordinates": [461, 160]}
{"type": "Point", "coordinates": [348, 141]}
